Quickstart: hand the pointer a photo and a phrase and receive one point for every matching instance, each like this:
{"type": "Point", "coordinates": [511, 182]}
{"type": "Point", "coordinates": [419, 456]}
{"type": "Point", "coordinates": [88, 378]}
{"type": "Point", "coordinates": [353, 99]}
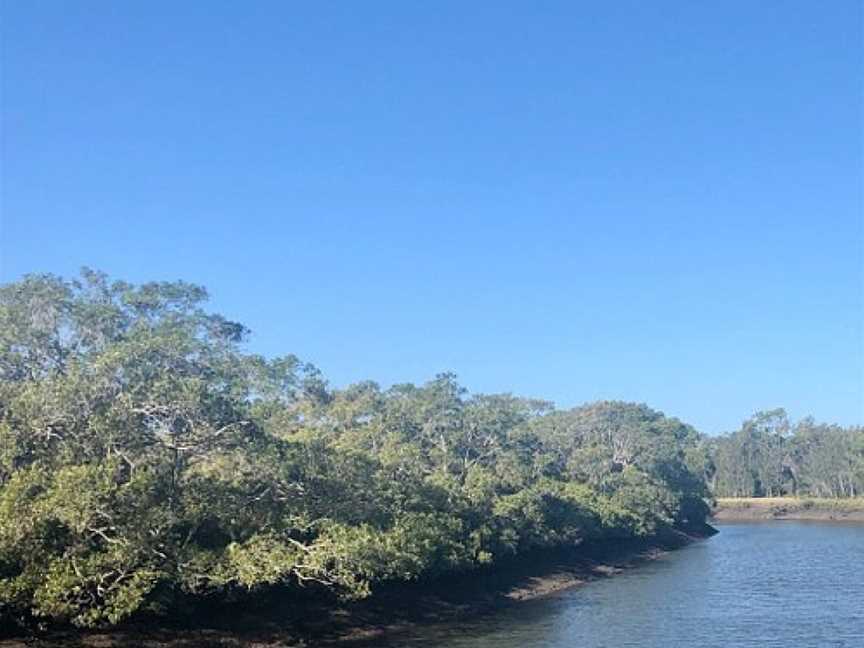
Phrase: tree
{"type": "Point", "coordinates": [768, 457]}
{"type": "Point", "coordinates": [145, 454]}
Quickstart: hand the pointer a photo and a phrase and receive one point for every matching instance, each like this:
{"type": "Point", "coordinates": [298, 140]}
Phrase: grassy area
{"type": "Point", "coordinates": [789, 507]}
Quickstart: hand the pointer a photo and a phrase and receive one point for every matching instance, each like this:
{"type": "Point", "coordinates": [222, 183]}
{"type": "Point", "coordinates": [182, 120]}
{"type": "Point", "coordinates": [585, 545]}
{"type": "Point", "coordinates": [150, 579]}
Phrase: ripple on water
{"type": "Point", "coordinates": [767, 584]}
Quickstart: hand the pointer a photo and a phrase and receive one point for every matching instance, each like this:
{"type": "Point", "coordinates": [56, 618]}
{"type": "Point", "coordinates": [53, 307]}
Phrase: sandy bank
{"type": "Point", "coordinates": [788, 508]}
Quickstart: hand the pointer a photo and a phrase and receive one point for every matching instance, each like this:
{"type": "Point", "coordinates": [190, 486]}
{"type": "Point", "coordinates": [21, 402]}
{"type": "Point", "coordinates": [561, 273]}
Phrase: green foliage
{"type": "Point", "coordinates": [142, 451]}
{"type": "Point", "coordinates": [769, 457]}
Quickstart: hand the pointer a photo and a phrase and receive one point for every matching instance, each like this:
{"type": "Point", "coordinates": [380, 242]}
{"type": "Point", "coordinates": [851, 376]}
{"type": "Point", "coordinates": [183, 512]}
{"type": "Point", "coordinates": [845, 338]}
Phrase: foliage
{"type": "Point", "coordinates": [770, 457]}
{"type": "Point", "coordinates": [143, 451]}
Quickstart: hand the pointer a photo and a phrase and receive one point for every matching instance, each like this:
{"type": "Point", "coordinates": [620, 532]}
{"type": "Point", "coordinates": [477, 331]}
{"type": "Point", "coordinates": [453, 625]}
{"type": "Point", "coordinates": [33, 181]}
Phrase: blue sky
{"type": "Point", "coordinates": [658, 202]}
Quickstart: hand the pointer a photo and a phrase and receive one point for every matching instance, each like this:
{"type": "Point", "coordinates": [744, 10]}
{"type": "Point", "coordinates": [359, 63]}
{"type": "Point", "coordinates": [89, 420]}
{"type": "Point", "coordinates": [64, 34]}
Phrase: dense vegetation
{"type": "Point", "coordinates": [770, 457]}
{"type": "Point", "coordinates": [145, 456]}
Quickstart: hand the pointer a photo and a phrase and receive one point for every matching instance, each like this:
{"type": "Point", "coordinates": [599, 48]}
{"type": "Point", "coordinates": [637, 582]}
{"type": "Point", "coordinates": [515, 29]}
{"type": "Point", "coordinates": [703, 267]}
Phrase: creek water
{"type": "Point", "coordinates": [785, 584]}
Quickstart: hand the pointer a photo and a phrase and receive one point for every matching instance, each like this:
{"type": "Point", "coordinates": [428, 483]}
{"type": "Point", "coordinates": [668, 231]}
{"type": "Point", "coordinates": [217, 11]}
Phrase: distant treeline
{"type": "Point", "coordinates": [770, 457]}
{"type": "Point", "coordinates": [146, 457]}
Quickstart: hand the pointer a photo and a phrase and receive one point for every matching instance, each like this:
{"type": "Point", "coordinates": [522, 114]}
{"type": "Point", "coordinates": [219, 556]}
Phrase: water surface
{"type": "Point", "coordinates": [785, 584]}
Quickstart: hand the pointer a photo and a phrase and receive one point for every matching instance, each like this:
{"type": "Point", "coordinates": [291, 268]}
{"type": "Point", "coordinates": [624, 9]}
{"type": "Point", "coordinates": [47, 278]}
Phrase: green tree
{"type": "Point", "coordinates": [145, 454]}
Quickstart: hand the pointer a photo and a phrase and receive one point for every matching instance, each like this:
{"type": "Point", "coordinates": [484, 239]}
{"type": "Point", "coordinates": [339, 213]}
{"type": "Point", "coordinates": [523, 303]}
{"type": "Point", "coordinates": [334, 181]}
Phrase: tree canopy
{"type": "Point", "coordinates": [770, 456]}
{"type": "Point", "coordinates": [145, 454]}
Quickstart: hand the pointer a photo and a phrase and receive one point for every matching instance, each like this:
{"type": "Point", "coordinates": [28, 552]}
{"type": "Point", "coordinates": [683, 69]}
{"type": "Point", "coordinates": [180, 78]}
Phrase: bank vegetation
{"type": "Point", "coordinates": [147, 458]}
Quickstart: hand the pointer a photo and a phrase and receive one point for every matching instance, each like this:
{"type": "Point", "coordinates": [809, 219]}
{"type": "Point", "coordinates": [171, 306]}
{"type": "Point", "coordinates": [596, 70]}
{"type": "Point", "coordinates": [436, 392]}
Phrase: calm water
{"type": "Point", "coordinates": [784, 584]}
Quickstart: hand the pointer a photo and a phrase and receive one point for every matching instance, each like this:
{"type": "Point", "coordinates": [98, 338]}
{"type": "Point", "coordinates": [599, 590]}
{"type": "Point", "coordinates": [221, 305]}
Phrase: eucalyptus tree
{"type": "Point", "coordinates": [769, 456]}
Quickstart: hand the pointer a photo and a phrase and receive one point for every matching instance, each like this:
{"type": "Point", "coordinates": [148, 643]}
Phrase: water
{"type": "Point", "coordinates": [766, 584]}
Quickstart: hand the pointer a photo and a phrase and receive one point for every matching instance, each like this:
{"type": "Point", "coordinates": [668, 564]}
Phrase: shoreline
{"type": "Point", "coordinates": [531, 578]}
{"type": "Point", "coordinates": [743, 509]}
{"type": "Point", "coordinates": [393, 609]}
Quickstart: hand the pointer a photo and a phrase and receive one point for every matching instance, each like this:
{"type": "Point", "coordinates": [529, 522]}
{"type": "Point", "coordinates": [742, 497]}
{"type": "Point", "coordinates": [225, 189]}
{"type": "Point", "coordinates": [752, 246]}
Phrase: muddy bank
{"type": "Point", "coordinates": [788, 508]}
{"type": "Point", "coordinates": [392, 609]}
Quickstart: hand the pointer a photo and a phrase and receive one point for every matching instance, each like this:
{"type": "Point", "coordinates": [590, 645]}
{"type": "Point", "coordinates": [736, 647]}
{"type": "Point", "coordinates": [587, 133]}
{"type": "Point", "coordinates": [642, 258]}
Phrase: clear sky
{"type": "Point", "coordinates": [650, 201]}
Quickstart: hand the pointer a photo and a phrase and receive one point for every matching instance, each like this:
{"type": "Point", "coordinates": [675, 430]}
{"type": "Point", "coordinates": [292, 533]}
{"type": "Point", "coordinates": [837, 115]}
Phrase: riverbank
{"type": "Point", "coordinates": [391, 610]}
{"type": "Point", "coordinates": [788, 508]}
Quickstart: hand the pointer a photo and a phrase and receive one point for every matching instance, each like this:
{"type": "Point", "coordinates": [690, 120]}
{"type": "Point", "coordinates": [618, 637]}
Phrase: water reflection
{"type": "Point", "coordinates": [783, 584]}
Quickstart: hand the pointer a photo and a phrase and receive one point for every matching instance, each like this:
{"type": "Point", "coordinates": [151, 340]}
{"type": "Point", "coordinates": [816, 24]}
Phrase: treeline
{"type": "Point", "coordinates": [770, 457]}
{"type": "Point", "coordinates": [144, 456]}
